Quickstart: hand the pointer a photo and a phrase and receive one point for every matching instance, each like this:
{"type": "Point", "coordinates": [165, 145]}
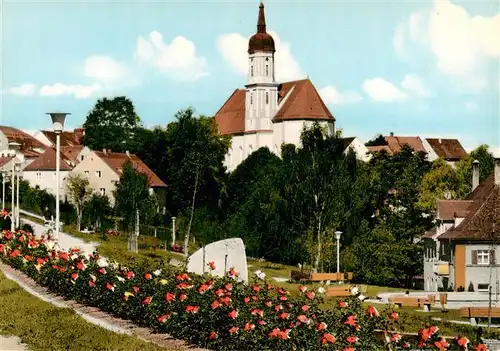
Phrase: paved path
{"type": "Point", "coordinates": [65, 241]}
{"type": "Point", "coordinates": [11, 343]}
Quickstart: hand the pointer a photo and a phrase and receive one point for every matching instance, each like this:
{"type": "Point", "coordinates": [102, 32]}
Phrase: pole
{"type": "Point", "coordinates": [58, 165]}
{"type": "Point", "coordinates": [3, 191]}
{"type": "Point", "coordinates": [18, 208]}
{"type": "Point", "coordinates": [338, 260]}
{"type": "Point", "coordinates": [13, 189]}
{"type": "Point", "coordinates": [173, 231]}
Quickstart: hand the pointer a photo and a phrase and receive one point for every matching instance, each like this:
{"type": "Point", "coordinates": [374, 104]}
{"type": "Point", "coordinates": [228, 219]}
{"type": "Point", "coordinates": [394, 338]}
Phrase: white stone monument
{"type": "Point", "coordinates": [226, 254]}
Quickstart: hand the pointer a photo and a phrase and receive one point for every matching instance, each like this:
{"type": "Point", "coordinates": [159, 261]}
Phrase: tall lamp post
{"type": "Point", "coordinates": [3, 190]}
{"type": "Point", "coordinates": [13, 146]}
{"type": "Point", "coordinates": [58, 125]}
{"type": "Point", "coordinates": [17, 168]}
{"type": "Point", "coordinates": [338, 234]}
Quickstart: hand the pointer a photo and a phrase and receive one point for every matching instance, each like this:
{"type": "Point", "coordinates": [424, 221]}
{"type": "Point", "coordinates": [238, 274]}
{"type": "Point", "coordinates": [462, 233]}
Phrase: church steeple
{"type": "Point", "coordinates": [261, 22]}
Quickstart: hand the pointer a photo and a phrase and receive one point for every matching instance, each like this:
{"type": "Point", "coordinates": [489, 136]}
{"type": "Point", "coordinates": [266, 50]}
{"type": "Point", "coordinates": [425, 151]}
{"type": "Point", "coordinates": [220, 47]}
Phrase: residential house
{"type": "Point", "coordinates": [466, 239]}
{"type": "Point", "coordinates": [104, 168]}
{"type": "Point", "coordinates": [42, 172]}
{"type": "Point", "coordinates": [448, 149]}
{"type": "Point", "coordinates": [30, 147]}
{"type": "Point", "coordinates": [68, 138]}
{"type": "Point", "coordinates": [355, 144]}
{"type": "Point", "coordinates": [394, 144]}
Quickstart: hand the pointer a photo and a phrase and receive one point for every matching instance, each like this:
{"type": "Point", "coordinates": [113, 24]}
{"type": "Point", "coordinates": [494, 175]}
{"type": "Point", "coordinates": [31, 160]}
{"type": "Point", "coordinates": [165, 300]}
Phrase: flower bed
{"type": "Point", "coordinates": [216, 313]}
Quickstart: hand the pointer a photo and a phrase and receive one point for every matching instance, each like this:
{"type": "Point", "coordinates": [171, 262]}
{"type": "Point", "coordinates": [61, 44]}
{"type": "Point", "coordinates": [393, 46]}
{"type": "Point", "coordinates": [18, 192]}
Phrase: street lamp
{"type": "Point", "coordinates": [17, 168]}
{"type": "Point", "coordinates": [13, 146]}
{"type": "Point", "coordinates": [3, 190]}
{"type": "Point", "coordinates": [338, 234]}
{"type": "Point", "coordinates": [58, 125]}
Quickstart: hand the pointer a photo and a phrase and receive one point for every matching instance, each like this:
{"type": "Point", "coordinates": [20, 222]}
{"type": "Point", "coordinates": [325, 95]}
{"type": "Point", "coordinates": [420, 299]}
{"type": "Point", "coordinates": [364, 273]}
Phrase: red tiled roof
{"type": "Point", "coordinates": [27, 141]}
{"type": "Point", "coordinates": [71, 152]}
{"type": "Point", "coordinates": [447, 210]}
{"type": "Point", "coordinates": [74, 138]}
{"type": "Point", "coordinates": [302, 103]}
{"type": "Point", "coordinates": [379, 148]}
{"type": "Point", "coordinates": [396, 143]}
{"type": "Point", "coordinates": [116, 160]}
{"type": "Point", "coordinates": [4, 160]}
{"type": "Point", "coordinates": [449, 149]}
{"type": "Point", "coordinates": [47, 162]}
{"type": "Point", "coordinates": [429, 234]}
{"type": "Point", "coordinates": [30, 153]}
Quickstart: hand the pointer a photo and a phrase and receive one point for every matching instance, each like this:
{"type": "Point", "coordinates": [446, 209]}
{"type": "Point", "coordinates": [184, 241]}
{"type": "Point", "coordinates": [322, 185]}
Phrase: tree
{"type": "Point", "coordinates": [96, 210]}
{"type": "Point", "coordinates": [79, 191]}
{"type": "Point", "coordinates": [132, 194]}
{"type": "Point", "coordinates": [111, 124]}
{"type": "Point", "coordinates": [464, 168]}
{"type": "Point", "coordinates": [441, 182]}
{"type": "Point", "coordinates": [378, 140]}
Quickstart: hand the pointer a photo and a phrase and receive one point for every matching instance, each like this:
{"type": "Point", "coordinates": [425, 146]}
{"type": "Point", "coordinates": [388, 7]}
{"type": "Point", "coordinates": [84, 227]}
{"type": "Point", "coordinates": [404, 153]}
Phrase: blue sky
{"type": "Point", "coordinates": [412, 68]}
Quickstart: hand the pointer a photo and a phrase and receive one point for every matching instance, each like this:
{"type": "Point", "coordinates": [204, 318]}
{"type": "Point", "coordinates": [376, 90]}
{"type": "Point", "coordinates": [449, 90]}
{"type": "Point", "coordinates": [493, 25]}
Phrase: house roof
{"type": "Point", "coordinates": [394, 144]}
{"type": "Point", "coordinates": [4, 160]}
{"type": "Point", "coordinates": [429, 234]}
{"type": "Point", "coordinates": [447, 210]}
{"type": "Point", "coordinates": [71, 152]}
{"type": "Point", "coordinates": [116, 160]}
{"type": "Point", "coordinates": [47, 162]}
{"type": "Point", "coordinates": [379, 148]}
{"type": "Point", "coordinates": [449, 149]}
{"type": "Point", "coordinates": [347, 141]}
{"type": "Point", "coordinates": [30, 153]}
{"type": "Point", "coordinates": [300, 98]}
{"type": "Point", "coordinates": [27, 141]}
{"type": "Point", "coordinates": [73, 138]}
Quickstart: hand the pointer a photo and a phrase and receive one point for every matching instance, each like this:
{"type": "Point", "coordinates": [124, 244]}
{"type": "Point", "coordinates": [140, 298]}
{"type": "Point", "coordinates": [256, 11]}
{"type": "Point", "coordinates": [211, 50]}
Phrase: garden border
{"type": "Point", "coordinates": [94, 315]}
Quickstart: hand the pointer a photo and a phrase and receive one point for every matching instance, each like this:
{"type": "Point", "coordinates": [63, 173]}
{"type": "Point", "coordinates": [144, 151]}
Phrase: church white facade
{"type": "Point", "coordinates": [268, 113]}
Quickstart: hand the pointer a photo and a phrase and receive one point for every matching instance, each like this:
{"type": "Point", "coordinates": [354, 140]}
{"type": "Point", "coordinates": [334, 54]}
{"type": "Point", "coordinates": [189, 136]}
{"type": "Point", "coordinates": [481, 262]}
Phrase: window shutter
{"type": "Point", "coordinates": [493, 259]}
{"type": "Point", "coordinates": [474, 256]}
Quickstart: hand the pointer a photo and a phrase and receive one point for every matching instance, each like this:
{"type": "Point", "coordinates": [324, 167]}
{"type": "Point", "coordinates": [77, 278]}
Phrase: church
{"type": "Point", "coordinates": [267, 113]}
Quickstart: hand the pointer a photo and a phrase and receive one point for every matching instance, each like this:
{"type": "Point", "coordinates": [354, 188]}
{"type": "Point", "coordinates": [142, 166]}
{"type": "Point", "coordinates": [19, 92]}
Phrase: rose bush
{"type": "Point", "coordinates": [216, 313]}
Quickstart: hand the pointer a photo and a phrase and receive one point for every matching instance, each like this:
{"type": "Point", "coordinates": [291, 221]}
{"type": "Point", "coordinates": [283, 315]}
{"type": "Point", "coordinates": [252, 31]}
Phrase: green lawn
{"type": "Point", "coordinates": [43, 326]}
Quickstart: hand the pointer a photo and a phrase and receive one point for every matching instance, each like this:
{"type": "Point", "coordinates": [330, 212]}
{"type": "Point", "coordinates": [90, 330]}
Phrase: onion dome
{"type": "Point", "coordinates": [261, 41]}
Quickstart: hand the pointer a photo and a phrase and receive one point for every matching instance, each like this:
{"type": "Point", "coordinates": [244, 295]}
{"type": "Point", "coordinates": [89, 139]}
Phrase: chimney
{"type": "Point", "coordinates": [475, 174]}
{"type": "Point", "coordinates": [128, 153]}
{"type": "Point", "coordinates": [497, 170]}
{"type": "Point", "coordinates": [439, 140]}
{"type": "Point", "coordinates": [104, 151]}
{"type": "Point", "coordinates": [392, 134]}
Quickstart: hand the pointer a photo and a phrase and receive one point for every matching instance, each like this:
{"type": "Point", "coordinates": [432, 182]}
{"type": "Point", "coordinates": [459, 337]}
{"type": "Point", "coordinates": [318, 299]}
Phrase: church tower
{"type": "Point", "coordinates": [261, 101]}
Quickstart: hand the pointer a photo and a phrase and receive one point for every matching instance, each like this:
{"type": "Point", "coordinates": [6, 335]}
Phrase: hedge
{"type": "Point", "coordinates": [213, 312]}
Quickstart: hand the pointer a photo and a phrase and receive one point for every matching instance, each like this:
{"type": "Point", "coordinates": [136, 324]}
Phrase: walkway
{"type": "Point", "coordinates": [11, 343]}
{"type": "Point", "coordinates": [65, 241]}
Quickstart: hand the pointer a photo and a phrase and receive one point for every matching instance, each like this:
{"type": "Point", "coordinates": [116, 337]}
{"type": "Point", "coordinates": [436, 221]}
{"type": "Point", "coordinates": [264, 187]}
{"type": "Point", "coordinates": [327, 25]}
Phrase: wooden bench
{"type": "Point", "coordinates": [411, 301]}
{"type": "Point", "coordinates": [338, 291]}
{"type": "Point", "coordinates": [319, 277]}
{"type": "Point", "coordinates": [478, 312]}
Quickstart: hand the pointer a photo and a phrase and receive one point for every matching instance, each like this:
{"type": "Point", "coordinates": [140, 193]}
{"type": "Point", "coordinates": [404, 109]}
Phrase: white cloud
{"type": "Point", "coordinates": [413, 83]}
{"type": "Point", "coordinates": [332, 95]}
{"type": "Point", "coordinates": [460, 42]}
{"type": "Point", "coordinates": [381, 90]}
{"type": "Point", "coordinates": [78, 91]}
{"type": "Point", "coordinates": [104, 68]}
{"type": "Point", "coordinates": [233, 48]}
{"type": "Point", "coordinates": [23, 89]}
{"type": "Point", "coordinates": [177, 60]}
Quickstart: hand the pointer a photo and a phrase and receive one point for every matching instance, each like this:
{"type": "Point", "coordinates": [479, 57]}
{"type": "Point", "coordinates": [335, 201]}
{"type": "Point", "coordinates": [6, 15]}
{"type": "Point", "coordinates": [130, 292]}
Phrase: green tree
{"type": "Point", "coordinates": [378, 140]}
{"type": "Point", "coordinates": [96, 210]}
{"type": "Point", "coordinates": [132, 194]}
{"type": "Point", "coordinates": [111, 124]}
{"type": "Point", "coordinates": [441, 182]}
{"type": "Point", "coordinates": [79, 190]}
{"type": "Point", "coordinates": [464, 168]}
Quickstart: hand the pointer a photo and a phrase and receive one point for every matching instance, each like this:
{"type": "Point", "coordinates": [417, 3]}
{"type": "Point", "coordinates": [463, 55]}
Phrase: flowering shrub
{"type": "Point", "coordinates": [177, 248]}
{"type": "Point", "coordinates": [112, 232]}
{"type": "Point", "coordinates": [217, 313]}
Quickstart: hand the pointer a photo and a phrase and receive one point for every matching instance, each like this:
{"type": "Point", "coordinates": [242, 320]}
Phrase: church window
{"type": "Point", "coordinates": [267, 70]}
{"type": "Point", "coordinates": [251, 71]}
{"type": "Point", "coordinates": [267, 97]}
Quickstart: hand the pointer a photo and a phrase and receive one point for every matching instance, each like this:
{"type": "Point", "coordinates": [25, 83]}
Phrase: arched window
{"type": "Point", "coordinates": [267, 97]}
{"type": "Point", "coordinates": [267, 70]}
{"type": "Point", "coordinates": [251, 71]}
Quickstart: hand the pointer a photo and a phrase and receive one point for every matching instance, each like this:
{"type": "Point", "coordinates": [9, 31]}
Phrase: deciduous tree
{"type": "Point", "coordinates": [79, 191]}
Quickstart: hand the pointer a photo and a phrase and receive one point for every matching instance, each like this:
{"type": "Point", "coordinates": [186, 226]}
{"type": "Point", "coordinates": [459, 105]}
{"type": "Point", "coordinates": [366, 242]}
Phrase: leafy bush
{"type": "Point", "coordinates": [217, 313]}
{"type": "Point", "coordinates": [27, 228]}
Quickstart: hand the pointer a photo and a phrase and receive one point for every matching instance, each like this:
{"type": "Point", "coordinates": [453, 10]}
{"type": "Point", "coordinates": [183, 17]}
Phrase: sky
{"type": "Point", "coordinates": [410, 67]}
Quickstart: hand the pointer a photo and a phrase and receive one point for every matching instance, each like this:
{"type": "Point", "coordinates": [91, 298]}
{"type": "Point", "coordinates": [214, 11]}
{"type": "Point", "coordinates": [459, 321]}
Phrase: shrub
{"type": "Point", "coordinates": [27, 228]}
{"type": "Point", "coordinates": [471, 287]}
{"type": "Point", "coordinates": [217, 313]}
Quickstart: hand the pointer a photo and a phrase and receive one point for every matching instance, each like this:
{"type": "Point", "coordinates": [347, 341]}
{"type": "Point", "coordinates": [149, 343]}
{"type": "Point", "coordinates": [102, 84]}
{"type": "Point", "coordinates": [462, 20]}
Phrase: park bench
{"type": "Point", "coordinates": [412, 301]}
{"type": "Point", "coordinates": [478, 312]}
{"type": "Point", "coordinates": [338, 291]}
{"type": "Point", "coordinates": [319, 277]}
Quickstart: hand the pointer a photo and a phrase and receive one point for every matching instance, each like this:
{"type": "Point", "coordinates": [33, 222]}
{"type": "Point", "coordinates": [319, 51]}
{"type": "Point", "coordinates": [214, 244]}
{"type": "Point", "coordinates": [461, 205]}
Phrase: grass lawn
{"type": "Point", "coordinates": [43, 326]}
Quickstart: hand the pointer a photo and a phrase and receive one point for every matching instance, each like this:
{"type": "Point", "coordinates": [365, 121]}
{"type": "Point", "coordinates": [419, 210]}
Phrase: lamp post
{"type": "Point", "coordinates": [58, 125]}
{"type": "Point", "coordinates": [338, 234]}
{"type": "Point", "coordinates": [3, 190]}
{"type": "Point", "coordinates": [17, 168]}
{"type": "Point", "coordinates": [13, 146]}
